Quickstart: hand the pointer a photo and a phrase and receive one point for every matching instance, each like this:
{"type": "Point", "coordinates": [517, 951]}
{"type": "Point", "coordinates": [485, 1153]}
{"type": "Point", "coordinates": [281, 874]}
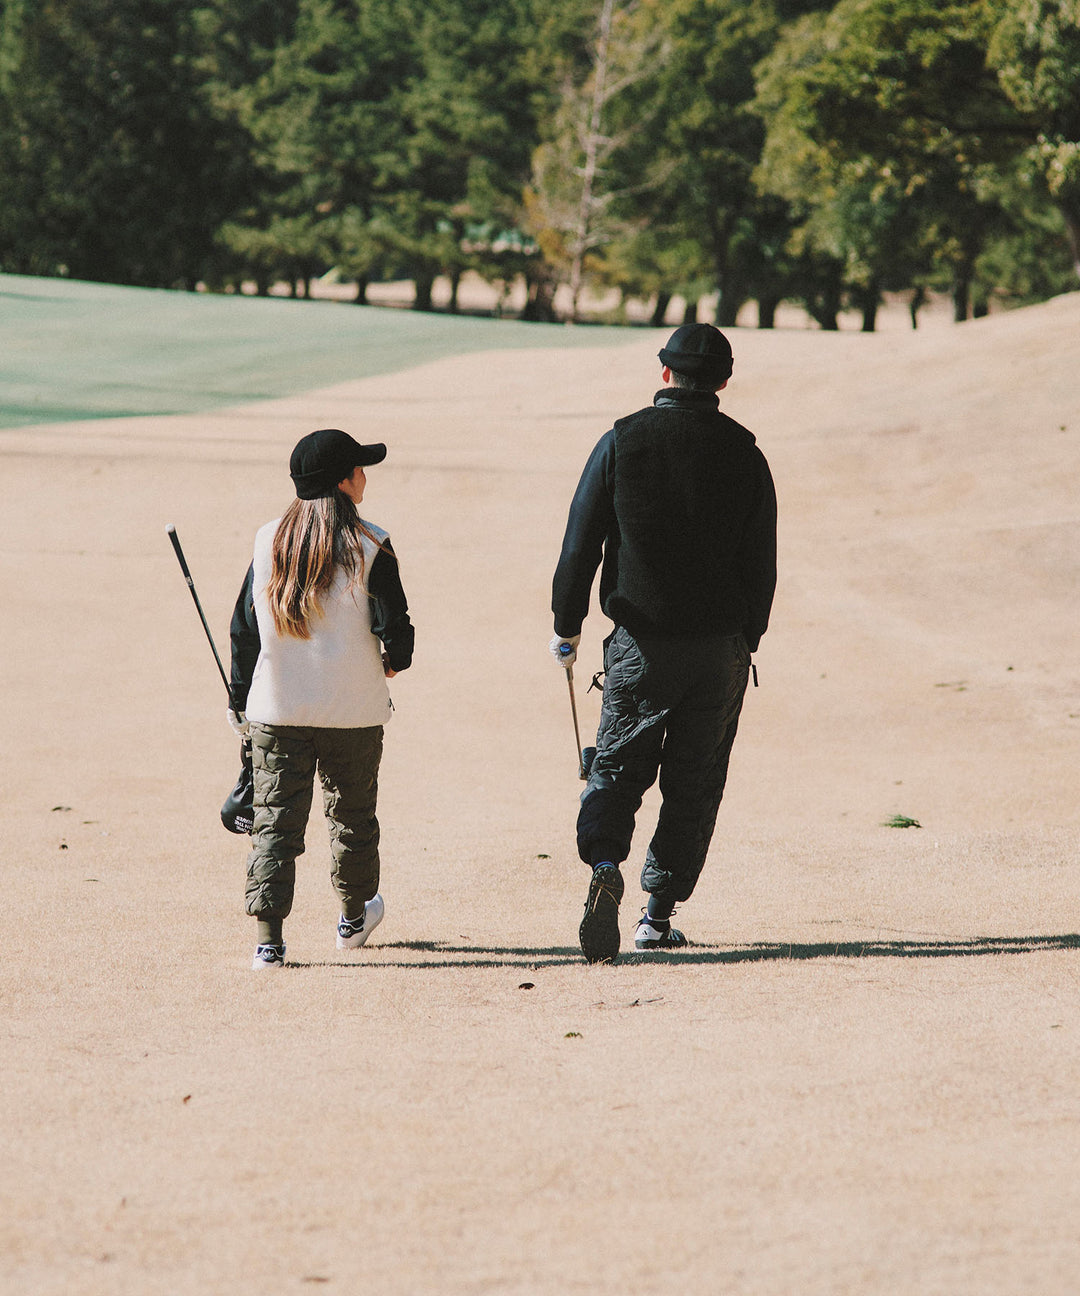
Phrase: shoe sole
{"type": "Point", "coordinates": [357, 941]}
{"type": "Point", "coordinates": [599, 930]}
{"type": "Point", "coordinates": [654, 946]}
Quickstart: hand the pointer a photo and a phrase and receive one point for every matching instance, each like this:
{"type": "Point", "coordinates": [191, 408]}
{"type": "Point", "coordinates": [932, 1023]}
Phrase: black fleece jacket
{"type": "Point", "coordinates": [678, 501]}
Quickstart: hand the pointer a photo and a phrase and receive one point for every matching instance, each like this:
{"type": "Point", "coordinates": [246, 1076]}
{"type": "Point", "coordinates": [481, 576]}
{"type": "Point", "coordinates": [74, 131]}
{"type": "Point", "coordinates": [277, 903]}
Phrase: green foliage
{"type": "Point", "coordinates": [1027, 259]}
{"type": "Point", "coordinates": [468, 123]}
{"type": "Point", "coordinates": [708, 135]}
{"type": "Point", "coordinates": [1035, 48]}
{"type": "Point", "coordinates": [825, 152]}
{"type": "Point", "coordinates": [116, 166]}
{"type": "Point", "coordinates": [384, 133]}
{"type": "Point", "coordinates": [580, 174]}
{"type": "Point", "coordinates": [322, 116]}
{"type": "Point", "coordinates": [891, 130]}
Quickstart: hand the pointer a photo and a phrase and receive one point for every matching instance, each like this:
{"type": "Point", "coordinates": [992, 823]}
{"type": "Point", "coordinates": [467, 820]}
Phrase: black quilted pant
{"type": "Point", "coordinates": [285, 761]}
{"type": "Point", "coordinates": [671, 706]}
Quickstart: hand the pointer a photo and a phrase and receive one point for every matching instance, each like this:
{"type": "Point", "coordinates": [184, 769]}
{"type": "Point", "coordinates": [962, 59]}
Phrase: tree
{"type": "Point", "coordinates": [1035, 47]}
{"type": "Point", "coordinates": [117, 167]}
{"type": "Point", "coordinates": [467, 131]}
{"type": "Point", "coordinates": [576, 184]}
{"type": "Point", "coordinates": [30, 183]}
{"type": "Point", "coordinates": [322, 112]}
{"type": "Point", "coordinates": [886, 122]}
{"type": "Point", "coordinates": [704, 141]}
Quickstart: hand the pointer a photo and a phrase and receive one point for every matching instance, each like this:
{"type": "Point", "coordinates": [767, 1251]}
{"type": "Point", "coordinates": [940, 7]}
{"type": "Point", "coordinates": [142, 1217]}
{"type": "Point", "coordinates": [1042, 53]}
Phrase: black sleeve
{"type": "Point", "coordinates": [389, 610]}
{"type": "Point", "coordinates": [758, 558]}
{"type": "Point", "coordinates": [244, 636]}
{"type": "Point", "coordinates": [592, 515]}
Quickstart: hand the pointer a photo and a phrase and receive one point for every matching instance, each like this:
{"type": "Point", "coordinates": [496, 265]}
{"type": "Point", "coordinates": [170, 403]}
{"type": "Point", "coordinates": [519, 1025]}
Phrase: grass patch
{"type": "Point", "coordinates": [901, 821]}
{"type": "Point", "coordinates": [74, 350]}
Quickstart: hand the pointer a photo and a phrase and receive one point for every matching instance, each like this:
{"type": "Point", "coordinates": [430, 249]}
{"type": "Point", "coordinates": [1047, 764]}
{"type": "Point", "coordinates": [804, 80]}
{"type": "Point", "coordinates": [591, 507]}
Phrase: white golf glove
{"type": "Point", "coordinates": [238, 723]}
{"type": "Point", "coordinates": [564, 650]}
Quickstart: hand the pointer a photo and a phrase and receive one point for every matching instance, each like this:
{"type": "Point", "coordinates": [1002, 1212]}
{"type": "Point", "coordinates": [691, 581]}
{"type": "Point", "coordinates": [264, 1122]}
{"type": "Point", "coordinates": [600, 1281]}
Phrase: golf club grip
{"type": "Point", "coordinates": [179, 554]}
{"type": "Point", "coordinates": [198, 607]}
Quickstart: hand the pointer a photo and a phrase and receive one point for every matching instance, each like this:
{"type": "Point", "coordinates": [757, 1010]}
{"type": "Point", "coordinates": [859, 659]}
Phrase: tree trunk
{"type": "Point", "coordinates": [663, 301]}
{"type": "Point", "coordinates": [918, 299]}
{"type": "Point", "coordinates": [731, 289]}
{"type": "Point", "coordinates": [361, 290]}
{"type": "Point", "coordinates": [824, 307]}
{"type": "Point", "coordinates": [727, 308]}
{"type": "Point", "coordinates": [690, 312]}
{"type": "Point", "coordinates": [1072, 230]}
{"type": "Point", "coordinates": [539, 307]}
{"type": "Point", "coordinates": [424, 284]}
{"type": "Point", "coordinates": [867, 298]}
{"type": "Point", "coordinates": [766, 311]}
{"type": "Point", "coordinates": [583, 234]}
{"type": "Point", "coordinates": [961, 298]}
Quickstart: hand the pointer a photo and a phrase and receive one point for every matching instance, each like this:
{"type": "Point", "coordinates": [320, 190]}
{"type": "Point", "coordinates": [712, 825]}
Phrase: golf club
{"type": "Point", "coordinates": [584, 756]}
{"type": "Point", "coordinates": [237, 814]}
{"type": "Point", "coordinates": [198, 607]}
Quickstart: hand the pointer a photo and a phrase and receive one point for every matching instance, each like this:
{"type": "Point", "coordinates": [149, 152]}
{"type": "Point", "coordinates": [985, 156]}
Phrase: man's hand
{"type": "Point", "coordinates": [387, 669]}
{"type": "Point", "coordinates": [564, 650]}
{"type": "Point", "coordinates": [238, 723]}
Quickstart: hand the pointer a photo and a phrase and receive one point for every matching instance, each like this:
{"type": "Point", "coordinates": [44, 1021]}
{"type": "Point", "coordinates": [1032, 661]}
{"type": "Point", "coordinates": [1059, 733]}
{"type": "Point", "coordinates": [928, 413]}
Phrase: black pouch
{"type": "Point", "coordinates": [238, 812]}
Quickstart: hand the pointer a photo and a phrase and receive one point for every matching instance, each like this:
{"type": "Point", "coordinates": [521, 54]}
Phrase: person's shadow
{"type": "Point", "coordinates": [447, 954]}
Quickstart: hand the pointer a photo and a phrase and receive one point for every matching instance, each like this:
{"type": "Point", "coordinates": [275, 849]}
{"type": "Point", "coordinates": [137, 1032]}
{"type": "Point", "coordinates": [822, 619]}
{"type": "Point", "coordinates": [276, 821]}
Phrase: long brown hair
{"type": "Point", "coordinates": [313, 539]}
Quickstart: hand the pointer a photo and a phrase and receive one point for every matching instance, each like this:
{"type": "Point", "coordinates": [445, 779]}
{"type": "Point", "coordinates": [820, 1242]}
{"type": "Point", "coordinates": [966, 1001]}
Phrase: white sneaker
{"type": "Point", "coordinates": [353, 932]}
{"type": "Point", "coordinates": [648, 937]}
{"type": "Point", "coordinates": [268, 958]}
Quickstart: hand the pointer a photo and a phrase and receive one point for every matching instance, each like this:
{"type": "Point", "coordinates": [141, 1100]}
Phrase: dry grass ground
{"type": "Point", "coordinates": [860, 1077]}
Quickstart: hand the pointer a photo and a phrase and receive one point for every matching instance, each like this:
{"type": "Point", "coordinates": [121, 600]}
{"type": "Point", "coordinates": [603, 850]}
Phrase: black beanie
{"type": "Point", "coordinates": [699, 351]}
{"type": "Point", "coordinates": [322, 459]}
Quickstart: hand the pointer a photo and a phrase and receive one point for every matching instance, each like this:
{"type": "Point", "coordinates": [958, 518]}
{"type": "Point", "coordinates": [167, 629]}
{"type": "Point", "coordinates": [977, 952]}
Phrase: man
{"type": "Point", "coordinates": [679, 503]}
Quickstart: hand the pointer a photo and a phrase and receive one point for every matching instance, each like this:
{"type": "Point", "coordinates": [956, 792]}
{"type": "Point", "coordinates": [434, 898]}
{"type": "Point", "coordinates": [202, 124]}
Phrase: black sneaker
{"type": "Point", "coordinates": [599, 930]}
{"type": "Point", "coordinates": [659, 937]}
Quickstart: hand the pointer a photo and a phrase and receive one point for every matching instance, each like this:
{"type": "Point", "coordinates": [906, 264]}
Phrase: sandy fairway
{"type": "Point", "coordinates": [862, 1077]}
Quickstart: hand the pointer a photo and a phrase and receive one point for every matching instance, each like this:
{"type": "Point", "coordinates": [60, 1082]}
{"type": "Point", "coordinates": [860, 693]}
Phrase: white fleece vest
{"type": "Point", "coordinates": [334, 680]}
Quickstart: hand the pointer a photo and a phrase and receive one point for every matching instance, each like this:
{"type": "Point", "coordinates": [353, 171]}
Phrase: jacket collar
{"type": "Point", "coordinates": [698, 402]}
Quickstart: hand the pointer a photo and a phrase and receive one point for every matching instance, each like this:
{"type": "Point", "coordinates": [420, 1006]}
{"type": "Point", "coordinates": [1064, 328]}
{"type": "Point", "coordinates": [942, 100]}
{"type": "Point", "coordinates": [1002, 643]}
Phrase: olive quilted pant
{"type": "Point", "coordinates": [285, 761]}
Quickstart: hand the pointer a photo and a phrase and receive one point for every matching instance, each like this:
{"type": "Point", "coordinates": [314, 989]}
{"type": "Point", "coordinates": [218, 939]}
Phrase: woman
{"type": "Point", "coordinates": [321, 594]}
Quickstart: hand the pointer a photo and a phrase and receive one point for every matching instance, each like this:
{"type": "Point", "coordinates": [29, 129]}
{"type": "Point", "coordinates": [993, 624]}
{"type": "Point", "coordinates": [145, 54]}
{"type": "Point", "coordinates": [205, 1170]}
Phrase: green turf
{"type": "Point", "coordinates": [72, 350]}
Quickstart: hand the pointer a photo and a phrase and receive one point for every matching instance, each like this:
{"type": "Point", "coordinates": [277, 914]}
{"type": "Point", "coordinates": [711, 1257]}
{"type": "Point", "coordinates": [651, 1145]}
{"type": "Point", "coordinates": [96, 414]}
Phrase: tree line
{"type": "Point", "coordinates": [811, 151]}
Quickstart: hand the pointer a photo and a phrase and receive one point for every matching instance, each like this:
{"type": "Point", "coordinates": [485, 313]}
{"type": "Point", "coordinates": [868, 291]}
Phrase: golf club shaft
{"type": "Point", "coordinates": [573, 712]}
{"type": "Point", "coordinates": [198, 606]}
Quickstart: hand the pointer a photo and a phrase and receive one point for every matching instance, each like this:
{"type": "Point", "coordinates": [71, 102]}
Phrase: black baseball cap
{"type": "Point", "coordinates": [322, 459]}
{"type": "Point", "coordinates": [699, 351]}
